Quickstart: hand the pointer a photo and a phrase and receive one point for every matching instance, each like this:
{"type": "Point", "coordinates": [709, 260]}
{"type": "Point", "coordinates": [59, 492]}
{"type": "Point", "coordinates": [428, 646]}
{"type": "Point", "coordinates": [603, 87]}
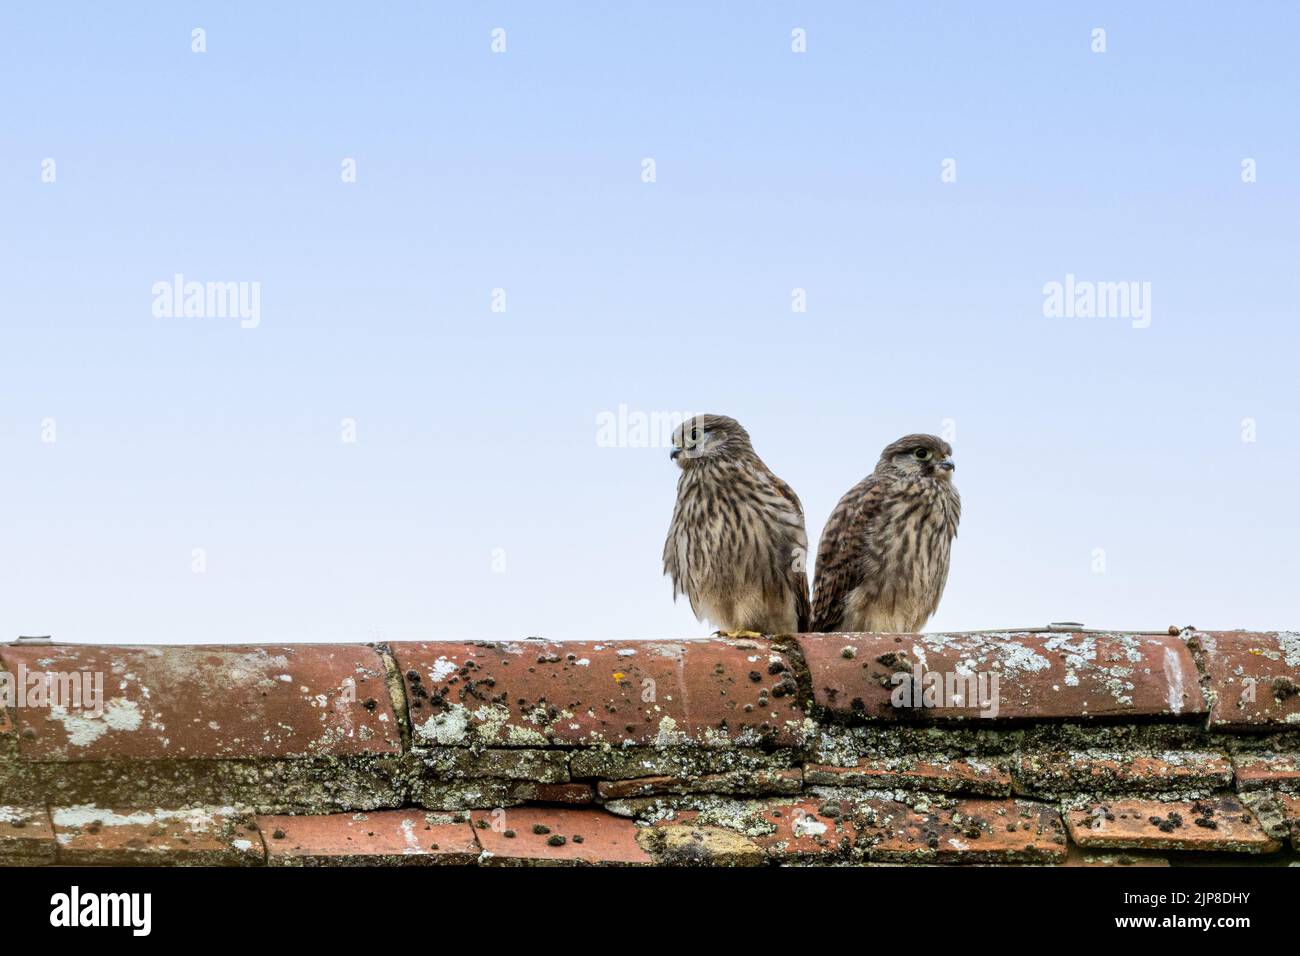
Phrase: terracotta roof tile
{"type": "Point", "coordinates": [1220, 823]}
{"type": "Point", "coordinates": [1039, 676]}
{"type": "Point", "coordinates": [786, 830]}
{"type": "Point", "coordinates": [876, 827]}
{"type": "Point", "coordinates": [380, 838]}
{"type": "Point", "coordinates": [1254, 678]}
{"type": "Point", "coordinates": [1061, 772]}
{"type": "Point", "coordinates": [964, 831]}
{"type": "Point", "coordinates": [199, 836]}
{"type": "Point", "coordinates": [1256, 771]}
{"type": "Point", "coordinates": [683, 843]}
{"type": "Point", "coordinates": [535, 693]}
{"type": "Point", "coordinates": [557, 835]}
{"type": "Point", "coordinates": [808, 829]}
{"type": "Point", "coordinates": [211, 701]}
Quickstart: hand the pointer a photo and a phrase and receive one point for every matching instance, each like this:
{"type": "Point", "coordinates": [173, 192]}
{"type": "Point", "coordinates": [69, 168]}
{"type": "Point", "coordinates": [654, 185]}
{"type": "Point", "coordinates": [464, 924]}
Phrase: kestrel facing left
{"type": "Point", "coordinates": [883, 559]}
{"type": "Point", "coordinates": [736, 547]}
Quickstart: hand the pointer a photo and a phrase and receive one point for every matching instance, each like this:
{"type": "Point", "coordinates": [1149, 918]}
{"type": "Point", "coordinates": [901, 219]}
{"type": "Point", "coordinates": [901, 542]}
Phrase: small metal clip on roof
{"type": "Point", "coordinates": [34, 638]}
{"type": "Point", "coordinates": [1065, 626]}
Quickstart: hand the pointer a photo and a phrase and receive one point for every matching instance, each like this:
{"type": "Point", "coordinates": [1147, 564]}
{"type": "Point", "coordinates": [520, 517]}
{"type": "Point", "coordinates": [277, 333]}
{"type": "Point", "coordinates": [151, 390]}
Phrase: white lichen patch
{"type": "Point", "coordinates": [84, 728]}
{"type": "Point", "coordinates": [442, 669]}
{"type": "Point", "coordinates": [668, 734]}
{"type": "Point", "coordinates": [412, 841]}
{"type": "Point", "coordinates": [805, 824]}
{"type": "Point", "coordinates": [1289, 641]}
{"type": "Point", "coordinates": [747, 817]}
{"type": "Point", "coordinates": [1017, 659]}
{"type": "Point", "coordinates": [196, 819]}
{"type": "Point", "coordinates": [448, 728]}
{"type": "Point", "coordinates": [495, 719]}
{"type": "Point", "coordinates": [1116, 682]}
{"type": "Point", "coordinates": [1173, 681]}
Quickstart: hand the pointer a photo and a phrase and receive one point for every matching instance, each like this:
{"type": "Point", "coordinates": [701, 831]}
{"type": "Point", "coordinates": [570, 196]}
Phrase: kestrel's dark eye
{"type": "Point", "coordinates": [922, 454]}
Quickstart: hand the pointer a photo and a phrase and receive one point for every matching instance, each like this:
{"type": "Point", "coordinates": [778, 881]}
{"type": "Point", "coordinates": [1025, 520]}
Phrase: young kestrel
{"type": "Point", "coordinates": [883, 558]}
{"type": "Point", "coordinates": [736, 546]}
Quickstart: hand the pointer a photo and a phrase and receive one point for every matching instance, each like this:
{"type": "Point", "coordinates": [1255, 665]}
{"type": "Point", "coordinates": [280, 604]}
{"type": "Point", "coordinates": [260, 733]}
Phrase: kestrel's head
{"type": "Point", "coordinates": [923, 456]}
{"type": "Point", "coordinates": [703, 438]}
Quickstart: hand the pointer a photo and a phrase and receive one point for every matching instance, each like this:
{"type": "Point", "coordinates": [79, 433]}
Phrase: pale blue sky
{"type": "Point", "coordinates": [477, 430]}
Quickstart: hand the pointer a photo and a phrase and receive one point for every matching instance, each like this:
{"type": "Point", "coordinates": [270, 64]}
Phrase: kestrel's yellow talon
{"type": "Point", "coordinates": [738, 635]}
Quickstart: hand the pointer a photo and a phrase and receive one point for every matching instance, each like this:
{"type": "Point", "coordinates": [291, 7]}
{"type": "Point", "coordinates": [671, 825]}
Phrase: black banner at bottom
{"type": "Point", "coordinates": [495, 904]}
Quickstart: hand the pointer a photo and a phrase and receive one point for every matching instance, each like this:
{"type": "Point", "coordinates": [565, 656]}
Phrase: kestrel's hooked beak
{"type": "Point", "coordinates": [947, 464]}
{"type": "Point", "coordinates": [674, 453]}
